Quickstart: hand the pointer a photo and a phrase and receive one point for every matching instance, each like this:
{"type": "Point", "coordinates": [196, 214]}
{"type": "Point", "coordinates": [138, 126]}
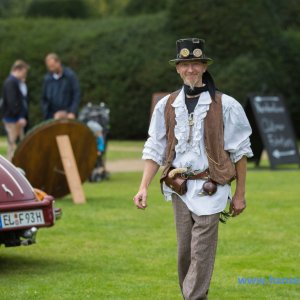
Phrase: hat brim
{"type": "Point", "coordinates": [206, 60]}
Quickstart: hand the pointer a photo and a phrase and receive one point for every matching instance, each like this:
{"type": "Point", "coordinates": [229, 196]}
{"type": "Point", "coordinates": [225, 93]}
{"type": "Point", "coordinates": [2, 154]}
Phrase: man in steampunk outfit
{"type": "Point", "coordinates": [201, 137]}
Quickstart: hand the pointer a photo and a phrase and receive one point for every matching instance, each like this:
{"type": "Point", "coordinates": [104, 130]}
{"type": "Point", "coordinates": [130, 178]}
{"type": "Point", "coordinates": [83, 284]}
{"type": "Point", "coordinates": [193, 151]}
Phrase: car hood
{"type": "Point", "coordinates": [13, 185]}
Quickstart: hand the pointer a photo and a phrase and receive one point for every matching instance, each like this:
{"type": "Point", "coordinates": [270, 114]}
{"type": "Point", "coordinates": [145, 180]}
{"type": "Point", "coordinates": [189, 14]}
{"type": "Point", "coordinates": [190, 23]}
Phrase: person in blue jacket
{"type": "Point", "coordinates": [61, 90]}
{"type": "Point", "coordinates": [14, 105]}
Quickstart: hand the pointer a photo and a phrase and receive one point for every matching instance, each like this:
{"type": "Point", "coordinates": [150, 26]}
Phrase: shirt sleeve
{"type": "Point", "coordinates": [155, 146]}
{"type": "Point", "coordinates": [237, 130]}
{"type": "Point", "coordinates": [12, 95]}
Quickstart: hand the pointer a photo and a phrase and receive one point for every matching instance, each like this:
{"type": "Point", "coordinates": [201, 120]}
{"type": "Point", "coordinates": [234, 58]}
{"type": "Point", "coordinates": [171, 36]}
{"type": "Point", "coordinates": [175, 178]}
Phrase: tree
{"type": "Point", "coordinates": [58, 9]}
{"type": "Point", "coordinates": [252, 50]}
{"type": "Point", "coordinates": [287, 13]}
{"type": "Point", "coordinates": [231, 27]}
{"type": "Point", "coordinates": [13, 8]}
{"type": "Point", "coordinates": [136, 7]}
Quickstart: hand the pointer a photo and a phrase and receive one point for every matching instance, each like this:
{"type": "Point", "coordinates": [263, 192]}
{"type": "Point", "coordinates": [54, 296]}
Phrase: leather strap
{"type": "Point", "coordinates": [202, 175]}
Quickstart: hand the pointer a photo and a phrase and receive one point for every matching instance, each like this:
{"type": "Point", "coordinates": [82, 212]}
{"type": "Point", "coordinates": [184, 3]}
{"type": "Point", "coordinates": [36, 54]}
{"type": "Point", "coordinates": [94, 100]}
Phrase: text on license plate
{"type": "Point", "coordinates": [21, 218]}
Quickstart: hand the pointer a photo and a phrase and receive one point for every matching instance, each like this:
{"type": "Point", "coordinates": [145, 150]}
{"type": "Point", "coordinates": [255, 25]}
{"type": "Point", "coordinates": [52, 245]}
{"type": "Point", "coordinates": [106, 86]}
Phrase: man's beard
{"type": "Point", "coordinates": [191, 83]}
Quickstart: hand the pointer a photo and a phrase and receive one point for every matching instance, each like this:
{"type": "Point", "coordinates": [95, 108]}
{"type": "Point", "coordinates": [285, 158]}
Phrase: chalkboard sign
{"type": "Point", "coordinates": [272, 130]}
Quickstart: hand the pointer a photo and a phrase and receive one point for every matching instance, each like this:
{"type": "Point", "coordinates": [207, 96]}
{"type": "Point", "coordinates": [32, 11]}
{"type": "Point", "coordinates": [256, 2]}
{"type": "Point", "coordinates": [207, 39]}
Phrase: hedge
{"type": "Point", "coordinates": [136, 7]}
{"type": "Point", "coordinates": [123, 60]}
{"type": "Point", "coordinates": [58, 8]}
{"type": "Point", "coordinates": [120, 61]}
{"type": "Point", "coordinates": [252, 48]}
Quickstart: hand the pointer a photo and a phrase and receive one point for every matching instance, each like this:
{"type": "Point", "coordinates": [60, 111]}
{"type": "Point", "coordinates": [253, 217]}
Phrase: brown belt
{"type": "Point", "coordinates": [202, 175]}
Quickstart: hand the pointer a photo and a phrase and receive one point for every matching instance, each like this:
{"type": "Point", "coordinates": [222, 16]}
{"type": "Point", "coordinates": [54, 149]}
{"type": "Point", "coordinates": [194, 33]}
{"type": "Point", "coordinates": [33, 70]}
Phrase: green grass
{"type": "Point", "coordinates": [124, 150]}
{"type": "Point", "coordinates": [3, 148]}
{"type": "Point", "coordinates": [107, 249]}
{"type": "Point", "coordinates": [116, 155]}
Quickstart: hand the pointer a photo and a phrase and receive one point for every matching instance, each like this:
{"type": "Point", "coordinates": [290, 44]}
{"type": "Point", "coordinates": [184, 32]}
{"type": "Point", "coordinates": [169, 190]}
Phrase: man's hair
{"type": "Point", "coordinates": [19, 65]}
{"type": "Point", "coordinates": [53, 56]}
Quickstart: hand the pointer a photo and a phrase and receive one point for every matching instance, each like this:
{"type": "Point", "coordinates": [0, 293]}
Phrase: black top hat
{"type": "Point", "coordinates": [190, 49]}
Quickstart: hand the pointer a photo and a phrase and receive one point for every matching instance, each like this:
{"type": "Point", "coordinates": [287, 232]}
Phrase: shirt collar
{"type": "Point", "coordinates": [180, 99]}
{"type": "Point", "coordinates": [58, 76]}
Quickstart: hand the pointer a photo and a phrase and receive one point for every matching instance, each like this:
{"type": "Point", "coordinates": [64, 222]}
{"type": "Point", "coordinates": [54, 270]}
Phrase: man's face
{"type": "Point", "coordinates": [53, 65]}
{"type": "Point", "coordinates": [21, 74]}
{"type": "Point", "coordinates": [191, 72]}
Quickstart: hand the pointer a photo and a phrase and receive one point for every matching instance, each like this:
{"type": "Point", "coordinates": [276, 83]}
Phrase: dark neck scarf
{"type": "Point", "coordinates": [196, 91]}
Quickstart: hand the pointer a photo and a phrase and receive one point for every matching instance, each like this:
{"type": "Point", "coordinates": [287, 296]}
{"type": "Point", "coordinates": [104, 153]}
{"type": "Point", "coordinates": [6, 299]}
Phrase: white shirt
{"type": "Point", "coordinates": [236, 141]}
{"type": "Point", "coordinates": [56, 76]}
{"type": "Point", "coordinates": [23, 88]}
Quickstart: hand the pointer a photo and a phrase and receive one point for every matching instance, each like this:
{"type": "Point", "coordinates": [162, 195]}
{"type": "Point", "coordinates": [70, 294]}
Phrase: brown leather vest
{"type": "Point", "coordinates": [221, 168]}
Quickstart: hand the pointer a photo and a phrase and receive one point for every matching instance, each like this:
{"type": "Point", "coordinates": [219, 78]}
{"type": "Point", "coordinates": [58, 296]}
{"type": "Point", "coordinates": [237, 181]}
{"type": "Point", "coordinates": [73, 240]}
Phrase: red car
{"type": "Point", "coordinates": [23, 209]}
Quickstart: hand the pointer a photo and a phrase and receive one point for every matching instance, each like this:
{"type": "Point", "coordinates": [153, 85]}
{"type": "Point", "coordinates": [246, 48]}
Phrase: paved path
{"type": "Point", "coordinates": [135, 165]}
{"type": "Point", "coordinates": [125, 165]}
{"type": "Point", "coordinates": [124, 148]}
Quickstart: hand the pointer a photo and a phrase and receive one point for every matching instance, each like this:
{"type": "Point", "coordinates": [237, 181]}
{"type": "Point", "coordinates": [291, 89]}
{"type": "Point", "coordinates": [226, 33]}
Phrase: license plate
{"type": "Point", "coordinates": [21, 218]}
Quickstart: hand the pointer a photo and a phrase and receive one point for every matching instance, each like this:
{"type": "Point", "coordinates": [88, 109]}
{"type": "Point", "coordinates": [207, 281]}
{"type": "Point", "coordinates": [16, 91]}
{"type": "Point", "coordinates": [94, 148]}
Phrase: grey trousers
{"type": "Point", "coordinates": [197, 243]}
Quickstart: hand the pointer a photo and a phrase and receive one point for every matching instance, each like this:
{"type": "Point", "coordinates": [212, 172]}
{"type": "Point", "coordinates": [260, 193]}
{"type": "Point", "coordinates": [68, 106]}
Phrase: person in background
{"type": "Point", "coordinates": [15, 105]}
{"type": "Point", "coordinates": [99, 172]}
{"type": "Point", "coordinates": [61, 91]}
{"type": "Point", "coordinates": [98, 132]}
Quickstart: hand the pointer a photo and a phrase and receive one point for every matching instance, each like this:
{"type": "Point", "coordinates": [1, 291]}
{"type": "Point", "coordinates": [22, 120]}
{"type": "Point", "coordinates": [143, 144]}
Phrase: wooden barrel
{"type": "Point", "coordinates": [39, 157]}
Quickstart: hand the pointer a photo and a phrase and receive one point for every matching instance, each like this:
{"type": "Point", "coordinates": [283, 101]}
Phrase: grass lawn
{"type": "Point", "coordinates": [107, 249]}
{"type": "Point", "coordinates": [3, 147]}
{"type": "Point", "coordinates": [124, 150]}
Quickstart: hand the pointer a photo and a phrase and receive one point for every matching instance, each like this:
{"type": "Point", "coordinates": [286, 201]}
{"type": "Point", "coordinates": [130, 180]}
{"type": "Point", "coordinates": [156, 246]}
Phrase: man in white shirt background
{"type": "Point", "coordinates": [203, 135]}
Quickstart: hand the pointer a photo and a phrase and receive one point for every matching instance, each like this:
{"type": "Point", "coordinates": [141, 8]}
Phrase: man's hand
{"type": "Point", "coordinates": [140, 199]}
{"type": "Point", "coordinates": [71, 116]}
{"type": "Point", "coordinates": [150, 169]}
{"type": "Point", "coordinates": [237, 205]}
{"type": "Point", "coordinates": [61, 114]}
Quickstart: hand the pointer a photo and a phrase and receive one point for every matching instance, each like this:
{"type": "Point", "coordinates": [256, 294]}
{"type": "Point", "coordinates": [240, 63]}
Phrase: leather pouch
{"type": "Point", "coordinates": [177, 184]}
